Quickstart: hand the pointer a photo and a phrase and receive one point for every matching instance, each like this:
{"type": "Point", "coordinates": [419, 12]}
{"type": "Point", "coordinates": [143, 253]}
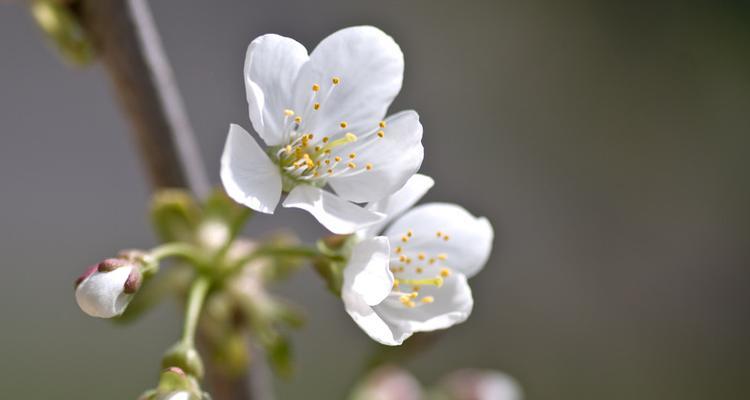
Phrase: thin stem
{"type": "Point", "coordinates": [177, 249]}
{"type": "Point", "coordinates": [278, 251]}
{"type": "Point", "coordinates": [197, 295]}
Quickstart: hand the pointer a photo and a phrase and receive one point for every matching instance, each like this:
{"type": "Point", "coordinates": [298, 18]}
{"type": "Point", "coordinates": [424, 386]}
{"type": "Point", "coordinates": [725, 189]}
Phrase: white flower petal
{"type": "Point", "coordinates": [364, 316]}
{"type": "Point", "coordinates": [272, 63]}
{"type": "Point", "coordinates": [452, 304]}
{"type": "Point", "coordinates": [367, 274]}
{"type": "Point", "coordinates": [394, 205]}
{"type": "Point", "coordinates": [469, 238]}
{"type": "Point", "coordinates": [248, 175]}
{"type": "Point", "coordinates": [336, 214]}
{"type": "Point", "coordinates": [394, 159]}
{"type": "Point", "coordinates": [371, 68]}
{"type": "Point", "coordinates": [102, 294]}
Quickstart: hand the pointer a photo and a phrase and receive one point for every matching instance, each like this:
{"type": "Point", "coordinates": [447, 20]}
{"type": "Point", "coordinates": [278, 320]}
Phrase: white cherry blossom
{"type": "Point", "coordinates": [105, 290]}
{"type": "Point", "coordinates": [323, 119]}
{"type": "Point", "coordinates": [414, 277]}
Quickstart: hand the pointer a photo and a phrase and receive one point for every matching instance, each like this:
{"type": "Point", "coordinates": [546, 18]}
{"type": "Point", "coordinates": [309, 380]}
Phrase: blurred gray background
{"type": "Point", "coordinates": [607, 141]}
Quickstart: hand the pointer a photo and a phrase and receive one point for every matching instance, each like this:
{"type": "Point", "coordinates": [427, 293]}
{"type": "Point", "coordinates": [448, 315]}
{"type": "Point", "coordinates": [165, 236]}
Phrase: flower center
{"type": "Point", "coordinates": [414, 269]}
{"type": "Point", "coordinates": [310, 157]}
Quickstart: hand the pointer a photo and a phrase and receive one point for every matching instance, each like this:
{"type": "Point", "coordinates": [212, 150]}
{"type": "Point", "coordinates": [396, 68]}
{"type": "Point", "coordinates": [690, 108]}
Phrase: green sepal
{"type": "Point", "coordinates": [185, 357]}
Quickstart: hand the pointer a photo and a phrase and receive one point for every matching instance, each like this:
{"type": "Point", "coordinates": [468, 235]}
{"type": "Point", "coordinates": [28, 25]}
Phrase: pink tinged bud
{"type": "Point", "coordinates": [103, 293]}
{"type": "Point", "coordinates": [133, 283]}
{"type": "Point", "coordinates": [90, 270]}
{"type": "Point", "coordinates": [471, 384]}
{"type": "Point", "coordinates": [389, 382]}
{"type": "Point", "coordinates": [176, 370]}
{"type": "Point", "coordinates": [112, 264]}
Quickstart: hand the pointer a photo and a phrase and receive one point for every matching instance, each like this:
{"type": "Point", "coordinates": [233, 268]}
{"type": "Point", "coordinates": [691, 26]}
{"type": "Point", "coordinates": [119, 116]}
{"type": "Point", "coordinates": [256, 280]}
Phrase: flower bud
{"type": "Point", "coordinates": [470, 384]}
{"type": "Point", "coordinates": [105, 290]}
{"type": "Point", "coordinates": [386, 383]}
{"type": "Point", "coordinates": [185, 358]}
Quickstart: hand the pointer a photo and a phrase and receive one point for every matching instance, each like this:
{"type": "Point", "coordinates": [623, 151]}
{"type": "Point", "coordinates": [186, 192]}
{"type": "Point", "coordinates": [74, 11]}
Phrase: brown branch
{"type": "Point", "coordinates": [128, 44]}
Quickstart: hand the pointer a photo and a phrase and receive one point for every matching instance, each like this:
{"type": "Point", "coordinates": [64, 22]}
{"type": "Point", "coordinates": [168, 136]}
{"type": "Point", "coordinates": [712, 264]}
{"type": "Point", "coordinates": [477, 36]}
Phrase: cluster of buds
{"type": "Point", "coordinates": [106, 288]}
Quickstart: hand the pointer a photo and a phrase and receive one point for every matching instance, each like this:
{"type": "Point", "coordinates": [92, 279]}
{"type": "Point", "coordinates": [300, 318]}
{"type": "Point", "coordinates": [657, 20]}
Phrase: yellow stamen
{"type": "Point", "coordinates": [325, 139]}
{"type": "Point", "coordinates": [381, 134]}
{"type": "Point", "coordinates": [409, 233]}
{"type": "Point", "coordinates": [351, 165]}
{"type": "Point", "coordinates": [415, 289]}
{"type": "Point", "coordinates": [445, 272]}
{"type": "Point", "coordinates": [298, 119]}
{"type": "Point", "coordinates": [382, 124]}
{"type": "Point", "coordinates": [399, 249]}
{"type": "Point", "coordinates": [335, 80]}
{"type": "Point", "coordinates": [288, 112]}
{"type": "Point", "coordinates": [421, 256]}
{"type": "Point", "coordinates": [419, 270]}
{"type": "Point", "coordinates": [316, 106]}
{"type": "Point", "coordinates": [395, 282]}
{"type": "Point", "coordinates": [315, 87]}
{"type": "Point", "coordinates": [337, 158]}
{"type": "Point", "coordinates": [443, 256]}
{"type": "Point", "coordinates": [352, 155]}
{"type": "Point", "coordinates": [428, 299]}
{"type": "Point", "coordinates": [436, 281]}
{"type": "Point", "coordinates": [343, 124]}
{"type": "Point", "coordinates": [368, 166]}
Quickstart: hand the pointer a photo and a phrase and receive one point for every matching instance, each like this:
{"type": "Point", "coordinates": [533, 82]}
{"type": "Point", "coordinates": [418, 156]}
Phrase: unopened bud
{"type": "Point", "coordinates": [105, 291]}
{"type": "Point", "coordinates": [185, 358]}
{"type": "Point", "coordinates": [388, 382]}
{"type": "Point", "coordinates": [470, 384]}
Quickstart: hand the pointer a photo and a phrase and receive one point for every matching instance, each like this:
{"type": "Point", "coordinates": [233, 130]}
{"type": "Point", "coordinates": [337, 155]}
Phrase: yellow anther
{"type": "Point", "coordinates": [445, 272]}
{"type": "Point", "coordinates": [436, 281]}
{"type": "Point", "coordinates": [315, 87]}
{"type": "Point", "coordinates": [327, 151]}
{"type": "Point", "coordinates": [410, 233]}
{"type": "Point", "coordinates": [415, 288]}
{"type": "Point", "coordinates": [443, 256]}
{"type": "Point", "coordinates": [310, 136]}
{"type": "Point", "coordinates": [428, 299]}
{"type": "Point", "coordinates": [343, 124]}
{"type": "Point", "coordinates": [395, 282]}
{"type": "Point", "coordinates": [288, 112]}
{"type": "Point", "coordinates": [368, 166]}
{"type": "Point", "coordinates": [288, 149]}
{"type": "Point", "coordinates": [330, 171]}
{"type": "Point", "coordinates": [446, 237]}
{"type": "Point", "coordinates": [408, 260]}
{"type": "Point", "coordinates": [350, 137]}
{"type": "Point", "coordinates": [316, 174]}
{"type": "Point", "coordinates": [420, 270]}
{"type": "Point", "coordinates": [337, 158]}
{"type": "Point", "coordinates": [382, 124]}
{"type": "Point", "coordinates": [432, 260]}
{"type": "Point", "coordinates": [316, 106]}
{"type": "Point", "coordinates": [413, 295]}
{"type": "Point", "coordinates": [381, 134]}
{"type": "Point", "coordinates": [404, 238]}
{"type": "Point", "coordinates": [401, 269]}
{"type": "Point", "coordinates": [399, 249]}
{"type": "Point", "coordinates": [352, 155]}
{"type": "Point", "coordinates": [404, 298]}
{"type": "Point", "coordinates": [351, 165]}
{"type": "Point", "coordinates": [421, 256]}
{"type": "Point", "coordinates": [335, 80]}
{"type": "Point", "coordinates": [438, 234]}
{"type": "Point", "coordinates": [317, 148]}
{"type": "Point", "coordinates": [325, 139]}
{"type": "Point", "coordinates": [402, 258]}
{"type": "Point", "coordinates": [328, 161]}
{"type": "Point", "coordinates": [410, 304]}
{"type": "Point", "coordinates": [298, 119]}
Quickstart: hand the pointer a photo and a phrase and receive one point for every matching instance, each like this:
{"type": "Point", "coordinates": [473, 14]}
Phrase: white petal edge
{"type": "Point", "coordinates": [366, 274]}
{"type": "Point", "coordinates": [395, 158]}
{"type": "Point", "coordinates": [395, 205]}
{"type": "Point", "coordinates": [102, 294]}
{"type": "Point", "coordinates": [453, 303]}
{"type": "Point", "coordinates": [371, 67]}
{"type": "Point", "coordinates": [248, 175]}
{"type": "Point", "coordinates": [470, 240]}
{"type": "Point", "coordinates": [272, 63]}
{"type": "Point", "coordinates": [334, 213]}
{"type": "Point", "coordinates": [370, 322]}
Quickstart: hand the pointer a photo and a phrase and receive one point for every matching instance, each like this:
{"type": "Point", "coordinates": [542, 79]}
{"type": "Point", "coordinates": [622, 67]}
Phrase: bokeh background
{"type": "Point", "coordinates": [607, 141]}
